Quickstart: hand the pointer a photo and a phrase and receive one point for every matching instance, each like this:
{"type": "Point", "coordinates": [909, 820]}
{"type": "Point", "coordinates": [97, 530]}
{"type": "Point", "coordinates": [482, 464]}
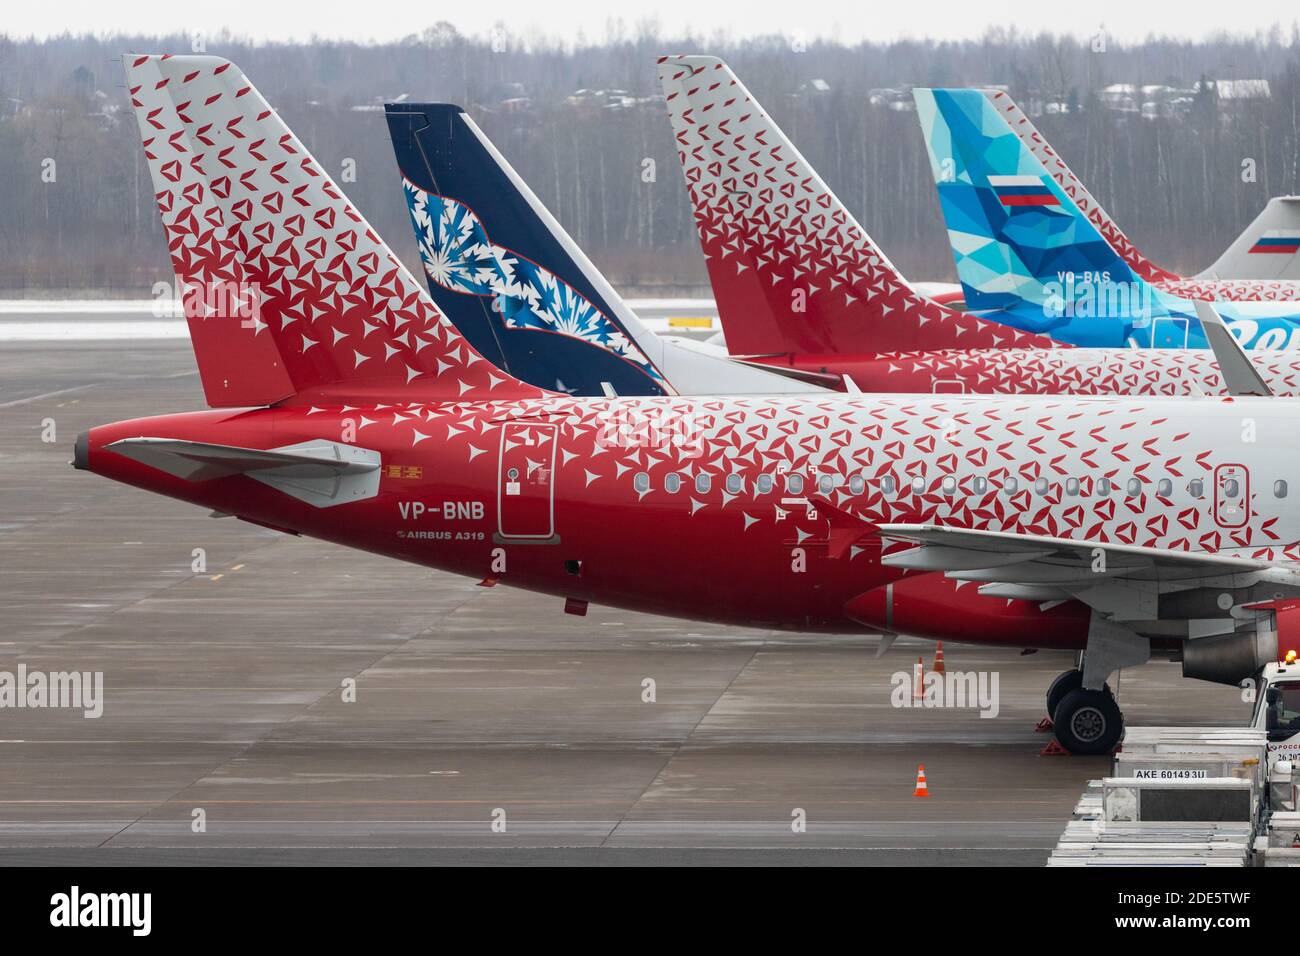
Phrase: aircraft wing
{"type": "Point", "coordinates": [1123, 582]}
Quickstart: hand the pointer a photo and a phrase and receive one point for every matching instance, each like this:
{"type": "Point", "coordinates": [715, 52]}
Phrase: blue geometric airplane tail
{"type": "Point", "coordinates": [1019, 242]}
{"type": "Point", "coordinates": [1027, 256]}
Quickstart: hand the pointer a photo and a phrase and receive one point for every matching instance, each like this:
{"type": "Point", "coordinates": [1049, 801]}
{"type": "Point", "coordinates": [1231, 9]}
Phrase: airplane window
{"type": "Point", "coordinates": [1011, 484]}
{"type": "Point", "coordinates": [1040, 486]}
{"type": "Point", "coordinates": [1196, 488]}
{"type": "Point", "coordinates": [672, 483]}
{"type": "Point", "coordinates": [794, 483]}
{"type": "Point", "coordinates": [1071, 486]}
{"type": "Point", "coordinates": [949, 484]}
{"type": "Point", "coordinates": [1279, 489]}
{"type": "Point", "coordinates": [1134, 487]}
{"type": "Point", "coordinates": [764, 484]}
{"type": "Point", "coordinates": [1104, 486]}
{"type": "Point", "coordinates": [856, 484]}
{"type": "Point", "coordinates": [703, 483]}
{"type": "Point", "coordinates": [735, 484]}
{"type": "Point", "coordinates": [887, 484]}
{"type": "Point", "coordinates": [918, 485]}
{"type": "Point", "coordinates": [1165, 488]}
{"type": "Point", "coordinates": [981, 485]}
{"type": "Point", "coordinates": [641, 482]}
{"type": "Point", "coordinates": [1231, 488]}
{"type": "Point", "coordinates": [826, 484]}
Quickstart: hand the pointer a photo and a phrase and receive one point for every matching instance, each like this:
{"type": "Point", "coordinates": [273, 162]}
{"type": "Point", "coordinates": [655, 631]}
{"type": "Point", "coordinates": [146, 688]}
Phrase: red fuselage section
{"type": "Point", "coordinates": [493, 491]}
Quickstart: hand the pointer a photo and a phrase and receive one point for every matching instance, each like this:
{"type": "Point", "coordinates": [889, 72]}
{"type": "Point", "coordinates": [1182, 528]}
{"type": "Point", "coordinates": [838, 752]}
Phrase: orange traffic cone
{"type": "Point", "coordinates": [921, 789]}
{"type": "Point", "coordinates": [938, 659]}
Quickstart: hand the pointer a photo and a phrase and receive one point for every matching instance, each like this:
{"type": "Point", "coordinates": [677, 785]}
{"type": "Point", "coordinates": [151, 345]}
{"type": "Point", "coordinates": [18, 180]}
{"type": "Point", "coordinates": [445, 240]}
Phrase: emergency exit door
{"type": "Point", "coordinates": [526, 481]}
{"type": "Point", "coordinates": [1231, 496]}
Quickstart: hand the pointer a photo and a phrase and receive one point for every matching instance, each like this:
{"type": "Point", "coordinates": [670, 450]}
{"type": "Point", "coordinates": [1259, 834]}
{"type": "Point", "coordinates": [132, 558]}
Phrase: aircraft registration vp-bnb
{"type": "Point", "coordinates": [1124, 526]}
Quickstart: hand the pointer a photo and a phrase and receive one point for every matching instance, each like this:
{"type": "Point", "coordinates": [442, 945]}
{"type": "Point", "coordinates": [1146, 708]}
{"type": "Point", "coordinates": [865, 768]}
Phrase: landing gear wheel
{"type": "Point", "coordinates": [1064, 683]}
{"type": "Point", "coordinates": [1088, 722]}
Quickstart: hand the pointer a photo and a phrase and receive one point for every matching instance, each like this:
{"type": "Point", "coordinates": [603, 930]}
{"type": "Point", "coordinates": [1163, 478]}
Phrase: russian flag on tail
{"type": "Point", "coordinates": [1278, 242]}
{"type": "Point", "coordinates": [1022, 191]}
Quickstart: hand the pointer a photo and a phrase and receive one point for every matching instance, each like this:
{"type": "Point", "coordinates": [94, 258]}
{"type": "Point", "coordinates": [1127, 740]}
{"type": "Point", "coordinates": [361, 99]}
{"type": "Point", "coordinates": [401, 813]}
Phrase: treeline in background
{"type": "Point", "coordinates": [1182, 141]}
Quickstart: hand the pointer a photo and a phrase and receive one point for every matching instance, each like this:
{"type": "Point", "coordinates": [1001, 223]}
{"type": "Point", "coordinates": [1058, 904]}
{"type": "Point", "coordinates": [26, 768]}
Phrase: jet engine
{"type": "Point", "coordinates": [1231, 658]}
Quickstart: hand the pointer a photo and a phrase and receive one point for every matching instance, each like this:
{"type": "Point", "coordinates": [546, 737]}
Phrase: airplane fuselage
{"type": "Point", "coordinates": [762, 511]}
{"type": "Point", "coordinates": [1032, 371]}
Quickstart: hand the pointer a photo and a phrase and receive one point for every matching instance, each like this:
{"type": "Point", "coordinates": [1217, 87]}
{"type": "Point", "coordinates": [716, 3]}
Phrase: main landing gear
{"type": "Point", "coordinates": [1084, 721]}
{"type": "Point", "coordinates": [1085, 717]}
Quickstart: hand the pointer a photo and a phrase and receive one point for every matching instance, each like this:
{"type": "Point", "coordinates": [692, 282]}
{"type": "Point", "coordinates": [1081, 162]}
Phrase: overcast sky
{"type": "Point", "coordinates": [563, 19]}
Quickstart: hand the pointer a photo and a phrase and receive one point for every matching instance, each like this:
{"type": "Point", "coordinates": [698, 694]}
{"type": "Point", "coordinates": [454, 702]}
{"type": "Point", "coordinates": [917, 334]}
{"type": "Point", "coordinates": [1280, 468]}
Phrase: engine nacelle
{"type": "Point", "coordinates": [1231, 658]}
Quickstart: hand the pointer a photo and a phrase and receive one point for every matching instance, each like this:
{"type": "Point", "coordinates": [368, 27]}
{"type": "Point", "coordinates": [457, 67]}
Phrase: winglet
{"type": "Point", "coordinates": [1240, 376]}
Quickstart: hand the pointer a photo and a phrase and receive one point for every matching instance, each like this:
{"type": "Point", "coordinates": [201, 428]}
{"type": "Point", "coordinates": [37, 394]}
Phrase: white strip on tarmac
{"type": "Point", "coordinates": [159, 309]}
{"type": "Point", "coordinates": [68, 320]}
{"type": "Point", "coordinates": [162, 319]}
{"type": "Point", "coordinates": [53, 330]}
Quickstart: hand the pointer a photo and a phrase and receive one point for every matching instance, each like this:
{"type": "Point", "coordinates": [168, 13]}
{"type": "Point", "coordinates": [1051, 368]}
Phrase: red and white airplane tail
{"type": "Point", "coordinates": [288, 291]}
{"type": "Point", "coordinates": [792, 271]}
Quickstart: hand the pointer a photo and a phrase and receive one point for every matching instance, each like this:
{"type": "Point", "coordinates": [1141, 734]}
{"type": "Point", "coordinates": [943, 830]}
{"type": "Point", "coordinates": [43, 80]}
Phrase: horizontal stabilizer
{"type": "Point", "coordinates": [321, 473]}
{"type": "Point", "coordinates": [820, 379]}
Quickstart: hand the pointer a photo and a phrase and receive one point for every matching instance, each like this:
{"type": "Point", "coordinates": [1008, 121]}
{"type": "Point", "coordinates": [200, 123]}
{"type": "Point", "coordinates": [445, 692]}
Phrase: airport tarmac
{"type": "Point", "coordinates": [224, 694]}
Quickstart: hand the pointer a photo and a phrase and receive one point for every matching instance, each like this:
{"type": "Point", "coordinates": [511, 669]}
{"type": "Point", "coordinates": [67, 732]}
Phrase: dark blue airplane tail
{"type": "Point", "coordinates": [519, 288]}
{"type": "Point", "coordinates": [523, 295]}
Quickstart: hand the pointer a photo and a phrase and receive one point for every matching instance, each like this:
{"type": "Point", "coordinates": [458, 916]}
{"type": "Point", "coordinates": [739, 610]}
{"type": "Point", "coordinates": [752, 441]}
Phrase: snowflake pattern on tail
{"type": "Point", "coordinates": [458, 255]}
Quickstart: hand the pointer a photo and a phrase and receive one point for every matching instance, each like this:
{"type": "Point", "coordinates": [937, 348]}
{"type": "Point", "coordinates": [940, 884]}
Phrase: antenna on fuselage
{"type": "Point", "coordinates": [1240, 376]}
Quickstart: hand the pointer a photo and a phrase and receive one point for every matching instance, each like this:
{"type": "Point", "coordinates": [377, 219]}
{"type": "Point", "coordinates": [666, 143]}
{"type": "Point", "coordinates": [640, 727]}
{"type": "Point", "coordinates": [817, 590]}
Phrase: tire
{"type": "Point", "coordinates": [1088, 722]}
{"type": "Point", "coordinates": [1064, 683]}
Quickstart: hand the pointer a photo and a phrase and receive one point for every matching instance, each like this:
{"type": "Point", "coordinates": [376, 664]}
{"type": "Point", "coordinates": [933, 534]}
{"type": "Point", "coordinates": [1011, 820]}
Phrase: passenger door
{"type": "Point", "coordinates": [526, 481]}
